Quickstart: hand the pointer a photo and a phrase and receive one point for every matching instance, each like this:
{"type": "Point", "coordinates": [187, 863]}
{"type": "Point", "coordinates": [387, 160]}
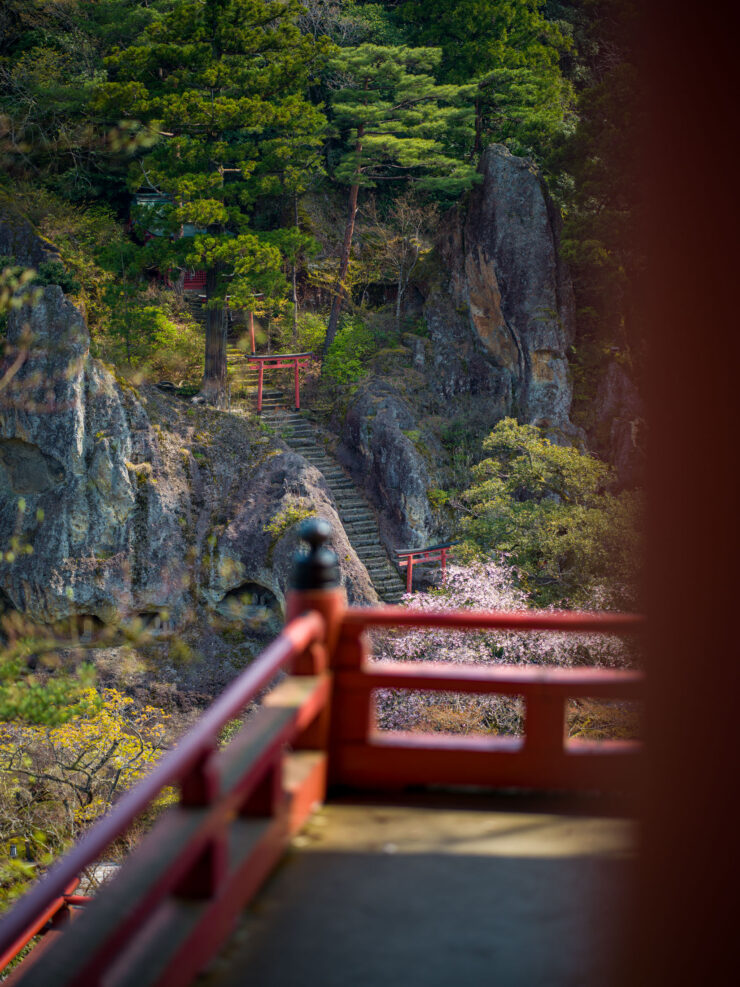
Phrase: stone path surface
{"type": "Point", "coordinates": [357, 516]}
{"type": "Point", "coordinates": [389, 896]}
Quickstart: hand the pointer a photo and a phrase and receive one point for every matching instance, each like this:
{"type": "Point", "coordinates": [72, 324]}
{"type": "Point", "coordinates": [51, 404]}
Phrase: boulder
{"type": "Point", "coordinates": [250, 567]}
{"type": "Point", "coordinates": [19, 240]}
{"type": "Point", "coordinates": [390, 456]}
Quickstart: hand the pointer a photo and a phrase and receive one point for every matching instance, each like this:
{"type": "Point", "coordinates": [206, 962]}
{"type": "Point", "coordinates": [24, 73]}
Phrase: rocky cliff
{"type": "Point", "coordinates": [497, 304]}
{"type": "Point", "coordinates": [117, 503]}
{"type": "Point", "coordinates": [502, 321]}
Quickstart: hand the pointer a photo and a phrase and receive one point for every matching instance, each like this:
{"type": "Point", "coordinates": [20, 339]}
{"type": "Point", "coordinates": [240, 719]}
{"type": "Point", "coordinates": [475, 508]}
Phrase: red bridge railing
{"type": "Point", "coordinates": [174, 901]}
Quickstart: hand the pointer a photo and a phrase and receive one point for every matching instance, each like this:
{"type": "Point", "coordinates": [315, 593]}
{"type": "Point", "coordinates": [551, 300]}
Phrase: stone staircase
{"type": "Point", "coordinates": [195, 301]}
{"type": "Point", "coordinates": [356, 514]}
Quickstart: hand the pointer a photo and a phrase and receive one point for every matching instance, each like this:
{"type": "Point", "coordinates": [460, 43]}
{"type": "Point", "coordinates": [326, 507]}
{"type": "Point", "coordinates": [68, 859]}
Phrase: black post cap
{"type": "Point", "coordinates": [319, 569]}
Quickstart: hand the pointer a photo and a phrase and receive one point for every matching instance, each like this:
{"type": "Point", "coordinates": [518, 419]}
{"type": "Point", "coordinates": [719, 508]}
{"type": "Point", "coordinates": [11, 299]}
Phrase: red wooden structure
{"type": "Point", "coordinates": [174, 901]}
{"type": "Point", "coordinates": [280, 361]}
{"type": "Point", "coordinates": [407, 557]}
{"type": "Point", "coordinates": [194, 281]}
{"type": "Point", "coordinates": [56, 913]}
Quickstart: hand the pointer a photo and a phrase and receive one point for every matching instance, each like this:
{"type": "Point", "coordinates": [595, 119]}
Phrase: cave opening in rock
{"type": "Point", "coordinates": [247, 600]}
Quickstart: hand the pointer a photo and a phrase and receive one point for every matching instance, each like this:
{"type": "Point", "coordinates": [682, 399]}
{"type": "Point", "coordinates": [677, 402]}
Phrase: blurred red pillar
{"type": "Point", "coordinates": [686, 904]}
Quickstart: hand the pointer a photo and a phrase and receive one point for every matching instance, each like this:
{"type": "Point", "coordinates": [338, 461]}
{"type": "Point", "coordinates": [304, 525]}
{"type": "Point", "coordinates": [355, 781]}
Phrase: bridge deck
{"type": "Point", "coordinates": [399, 896]}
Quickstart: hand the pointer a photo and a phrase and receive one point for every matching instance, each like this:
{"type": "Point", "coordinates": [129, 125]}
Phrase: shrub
{"type": "Point", "coordinates": [550, 509]}
{"type": "Point", "coordinates": [347, 359]}
{"type": "Point", "coordinates": [53, 272]}
{"type": "Point", "coordinates": [148, 332]}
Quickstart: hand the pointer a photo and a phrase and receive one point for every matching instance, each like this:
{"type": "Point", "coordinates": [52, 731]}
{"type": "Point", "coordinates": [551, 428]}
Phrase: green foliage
{"type": "Point", "coordinates": [29, 698]}
{"type": "Point", "coordinates": [293, 512]}
{"type": "Point", "coordinates": [437, 498]}
{"type": "Point", "coordinates": [147, 333]}
{"type": "Point", "coordinates": [347, 22]}
{"type": "Point", "coordinates": [548, 508]}
{"type": "Point", "coordinates": [53, 272]}
{"type": "Point", "coordinates": [512, 52]}
{"type": "Point", "coordinates": [396, 123]}
{"type": "Point", "coordinates": [309, 334]}
{"type": "Point", "coordinates": [221, 86]}
{"type": "Point", "coordinates": [81, 236]}
{"type": "Point", "coordinates": [348, 356]}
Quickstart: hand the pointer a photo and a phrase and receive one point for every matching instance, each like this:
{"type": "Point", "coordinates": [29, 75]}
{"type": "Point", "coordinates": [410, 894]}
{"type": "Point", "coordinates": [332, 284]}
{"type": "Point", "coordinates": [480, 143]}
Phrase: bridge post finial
{"type": "Point", "coordinates": [319, 570]}
{"type": "Point", "coordinates": [316, 585]}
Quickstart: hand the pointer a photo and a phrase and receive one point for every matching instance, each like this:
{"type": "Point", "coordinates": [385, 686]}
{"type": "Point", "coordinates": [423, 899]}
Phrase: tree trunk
{"type": "Point", "coordinates": [399, 302]}
{"type": "Point", "coordinates": [295, 282]}
{"type": "Point", "coordinates": [349, 230]}
{"type": "Point", "coordinates": [214, 378]}
{"type": "Point", "coordinates": [336, 305]}
{"type": "Point", "coordinates": [478, 145]}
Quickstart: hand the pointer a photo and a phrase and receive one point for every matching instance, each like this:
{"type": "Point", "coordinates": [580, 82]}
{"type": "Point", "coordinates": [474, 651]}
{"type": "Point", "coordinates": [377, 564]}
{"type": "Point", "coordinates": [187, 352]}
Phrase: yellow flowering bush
{"type": "Point", "coordinates": [56, 780]}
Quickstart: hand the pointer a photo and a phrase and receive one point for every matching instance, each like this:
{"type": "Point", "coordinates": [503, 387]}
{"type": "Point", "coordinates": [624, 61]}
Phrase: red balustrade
{"type": "Point", "coordinates": [55, 912]}
{"type": "Point", "coordinates": [234, 821]}
{"type": "Point", "coordinates": [174, 901]}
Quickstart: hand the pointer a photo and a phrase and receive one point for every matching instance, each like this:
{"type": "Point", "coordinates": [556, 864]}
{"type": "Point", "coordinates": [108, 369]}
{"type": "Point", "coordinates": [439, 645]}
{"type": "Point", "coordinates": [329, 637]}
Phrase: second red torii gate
{"type": "Point", "coordinates": [279, 361]}
{"type": "Point", "coordinates": [434, 553]}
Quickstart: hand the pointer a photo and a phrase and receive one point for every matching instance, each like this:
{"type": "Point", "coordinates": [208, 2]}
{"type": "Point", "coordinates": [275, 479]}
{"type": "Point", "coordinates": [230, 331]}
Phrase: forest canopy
{"type": "Point", "coordinates": [231, 110]}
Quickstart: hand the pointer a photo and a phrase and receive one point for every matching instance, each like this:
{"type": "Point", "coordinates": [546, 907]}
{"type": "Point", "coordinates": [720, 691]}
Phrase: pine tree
{"type": "Point", "coordinates": [513, 52]}
{"type": "Point", "coordinates": [220, 84]}
{"type": "Point", "coordinates": [397, 125]}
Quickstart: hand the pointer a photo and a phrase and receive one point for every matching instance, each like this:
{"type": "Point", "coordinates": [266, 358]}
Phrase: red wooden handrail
{"type": "Point", "coordinates": [174, 768]}
{"type": "Point", "coordinates": [36, 924]}
{"type": "Point", "coordinates": [517, 680]}
{"type": "Point", "coordinates": [362, 757]}
{"type": "Point", "coordinates": [566, 621]}
{"type": "Point", "coordinates": [188, 852]}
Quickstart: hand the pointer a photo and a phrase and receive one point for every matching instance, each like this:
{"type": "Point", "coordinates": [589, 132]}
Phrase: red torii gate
{"type": "Point", "coordinates": [435, 553]}
{"type": "Point", "coordinates": [280, 361]}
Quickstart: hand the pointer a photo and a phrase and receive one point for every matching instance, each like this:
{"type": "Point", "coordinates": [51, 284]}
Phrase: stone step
{"type": "Point", "coordinates": [379, 571]}
{"type": "Point", "coordinates": [355, 514]}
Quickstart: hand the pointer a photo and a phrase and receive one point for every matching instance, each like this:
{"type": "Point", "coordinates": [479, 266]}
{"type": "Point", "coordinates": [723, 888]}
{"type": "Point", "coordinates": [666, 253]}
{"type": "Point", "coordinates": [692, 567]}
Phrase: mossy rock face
{"type": "Point", "coordinates": [19, 240]}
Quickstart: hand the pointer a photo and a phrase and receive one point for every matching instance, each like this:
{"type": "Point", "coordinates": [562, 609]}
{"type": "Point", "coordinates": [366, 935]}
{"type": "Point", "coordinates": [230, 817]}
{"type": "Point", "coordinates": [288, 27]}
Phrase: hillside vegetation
{"type": "Point", "coordinates": [321, 164]}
